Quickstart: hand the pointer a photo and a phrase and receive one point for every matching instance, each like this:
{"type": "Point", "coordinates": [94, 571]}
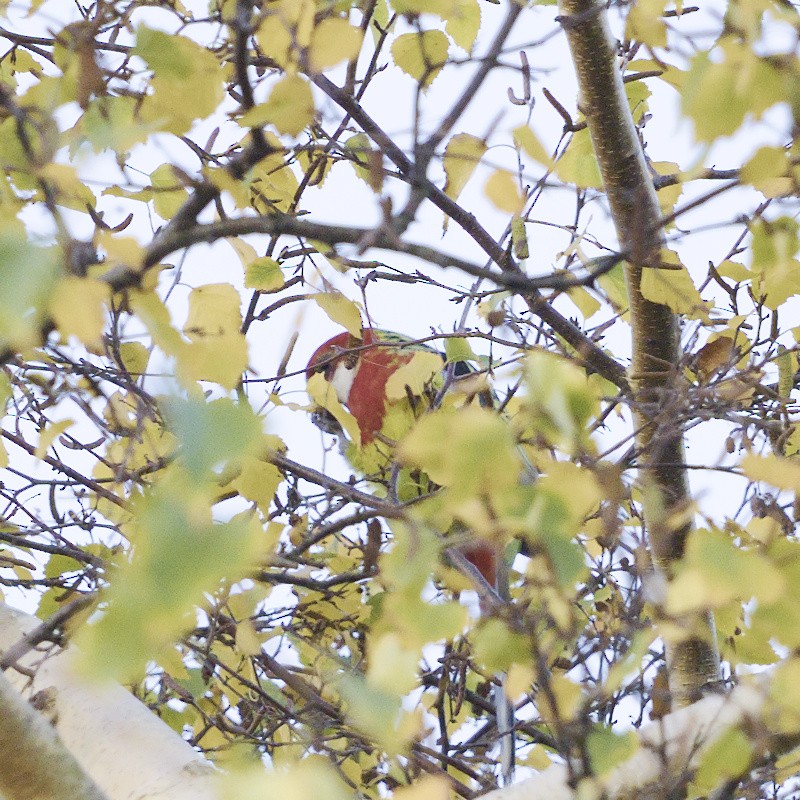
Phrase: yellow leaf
{"type": "Point", "coordinates": [290, 107]}
{"type": "Point", "coordinates": [213, 325]}
{"type": "Point", "coordinates": [3, 455]}
{"type": "Point", "coordinates": [392, 666]}
{"type": "Point", "coordinates": [470, 450]}
{"type": "Point", "coordinates": [586, 303]}
{"type": "Point", "coordinates": [645, 23]}
{"type": "Point", "coordinates": [246, 252]}
{"type": "Point", "coordinates": [421, 55]}
{"type": "Point", "coordinates": [674, 288]}
{"type": "Point", "coordinates": [169, 193]}
{"type": "Point", "coordinates": [503, 191]}
{"type": "Point", "coordinates": [70, 190]}
{"type": "Point", "coordinates": [77, 306]}
{"type": "Point", "coordinates": [668, 195]}
{"type": "Point", "coordinates": [50, 434]}
{"type": "Point", "coordinates": [340, 310]}
{"type": "Point", "coordinates": [787, 367]}
{"type": "Point", "coordinates": [274, 185]}
{"type": "Point", "coordinates": [430, 787]}
{"type": "Point", "coordinates": [783, 473]}
{"type": "Point", "coordinates": [578, 164]}
{"type": "Point", "coordinates": [332, 41]}
{"type": "Point", "coordinates": [275, 37]}
{"type": "Point", "coordinates": [416, 375]}
{"type": "Point", "coordinates": [258, 481]}
{"type": "Point", "coordinates": [566, 697]}
{"type": "Point", "coordinates": [120, 249]}
{"type": "Point", "coordinates": [715, 571]}
{"type": "Point", "coordinates": [525, 138]}
{"type": "Point", "coordinates": [155, 316]}
{"type": "Point", "coordinates": [299, 779]}
{"type": "Point", "coordinates": [214, 310]}
{"type": "Point", "coordinates": [248, 639]}
{"type": "Point", "coordinates": [135, 357]}
{"type": "Point", "coordinates": [519, 681]}
{"type": "Point", "coordinates": [463, 23]}
{"type": "Point", "coordinates": [767, 171]}
{"type": "Point", "coordinates": [461, 156]}
{"type": "Point", "coordinates": [776, 268]}
{"type": "Point", "coordinates": [735, 271]}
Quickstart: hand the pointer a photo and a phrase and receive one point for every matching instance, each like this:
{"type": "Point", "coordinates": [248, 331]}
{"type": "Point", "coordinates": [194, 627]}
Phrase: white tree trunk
{"type": "Point", "coordinates": [669, 752]}
{"type": "Point", "coordinates": [125, 748]}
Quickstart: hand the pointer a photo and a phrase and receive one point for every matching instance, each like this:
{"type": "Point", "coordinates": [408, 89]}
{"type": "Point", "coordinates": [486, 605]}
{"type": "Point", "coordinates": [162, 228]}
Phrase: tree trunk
{"type": "Point", "coordinates": [694, 662]}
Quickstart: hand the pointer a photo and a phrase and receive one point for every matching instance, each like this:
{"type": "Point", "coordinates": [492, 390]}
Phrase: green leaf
{"type": "Point", "coordinates": [373, 710]}
{"type": "Point", "coordinates": [421, 55]}
{"type": "Point", "coordinates": [457, 348]}
{"type": "Point", "coordinates": [715, 571]}
{"type": "Point", "coordinates": [27, 278]}
{"type": "Point", "coordinates": [264, 274]}
{"type": "Point", "coordinates": [730, 756]}
{"type": "Point", "coordinates": [180, 554]}
{"type": "Point", "coordinates": [166, 54]}
{"type": "Point", "coordinates": [496, 648]}
{"type": "Point", "coordinates": [212, 434]}
{"type": "Point", "coordinates": [608, 749]}
{"type": "Point", "coordinates": [768, 171]}
{"type": "Point", "coordinates": [359, 146]}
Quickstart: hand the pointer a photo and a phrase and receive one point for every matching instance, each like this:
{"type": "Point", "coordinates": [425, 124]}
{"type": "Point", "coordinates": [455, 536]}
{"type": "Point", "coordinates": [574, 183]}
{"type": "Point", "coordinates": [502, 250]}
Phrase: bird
{"type": "Point", "coordinates": [386, 381]}
{"type": "Point", "coordinates": [360, 370]}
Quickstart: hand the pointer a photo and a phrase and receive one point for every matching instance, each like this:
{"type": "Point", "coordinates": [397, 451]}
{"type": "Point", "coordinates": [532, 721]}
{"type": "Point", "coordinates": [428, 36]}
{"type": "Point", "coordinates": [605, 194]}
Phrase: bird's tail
{"type": "Point", "coordinates": [503, 709]}
{"type": "Point", "coordinates": [504, 717]}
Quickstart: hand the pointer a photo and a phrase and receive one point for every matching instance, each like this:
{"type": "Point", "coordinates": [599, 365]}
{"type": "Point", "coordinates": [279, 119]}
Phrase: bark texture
{"type": "Point", "coordinates": [35, 764]}
{"type": "Point", "coordinates": [694, 662]}
{"type": "Point", "coordinates": [99, 730]}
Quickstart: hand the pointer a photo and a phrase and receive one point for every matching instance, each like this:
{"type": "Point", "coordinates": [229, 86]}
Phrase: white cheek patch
{"type": "Point", "coordinates": [342, 381]}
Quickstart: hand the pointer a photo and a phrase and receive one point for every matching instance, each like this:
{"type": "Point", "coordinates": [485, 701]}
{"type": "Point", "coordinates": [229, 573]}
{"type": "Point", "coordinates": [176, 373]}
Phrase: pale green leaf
{"type": "Point", "coordinates": [264, 274]}
{"type": "Point", "coordinates": [421, 55]}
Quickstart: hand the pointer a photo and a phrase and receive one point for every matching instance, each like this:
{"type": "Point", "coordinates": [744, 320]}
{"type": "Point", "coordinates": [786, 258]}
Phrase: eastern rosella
{"type": "Point", "coordinates": [386, 381]}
